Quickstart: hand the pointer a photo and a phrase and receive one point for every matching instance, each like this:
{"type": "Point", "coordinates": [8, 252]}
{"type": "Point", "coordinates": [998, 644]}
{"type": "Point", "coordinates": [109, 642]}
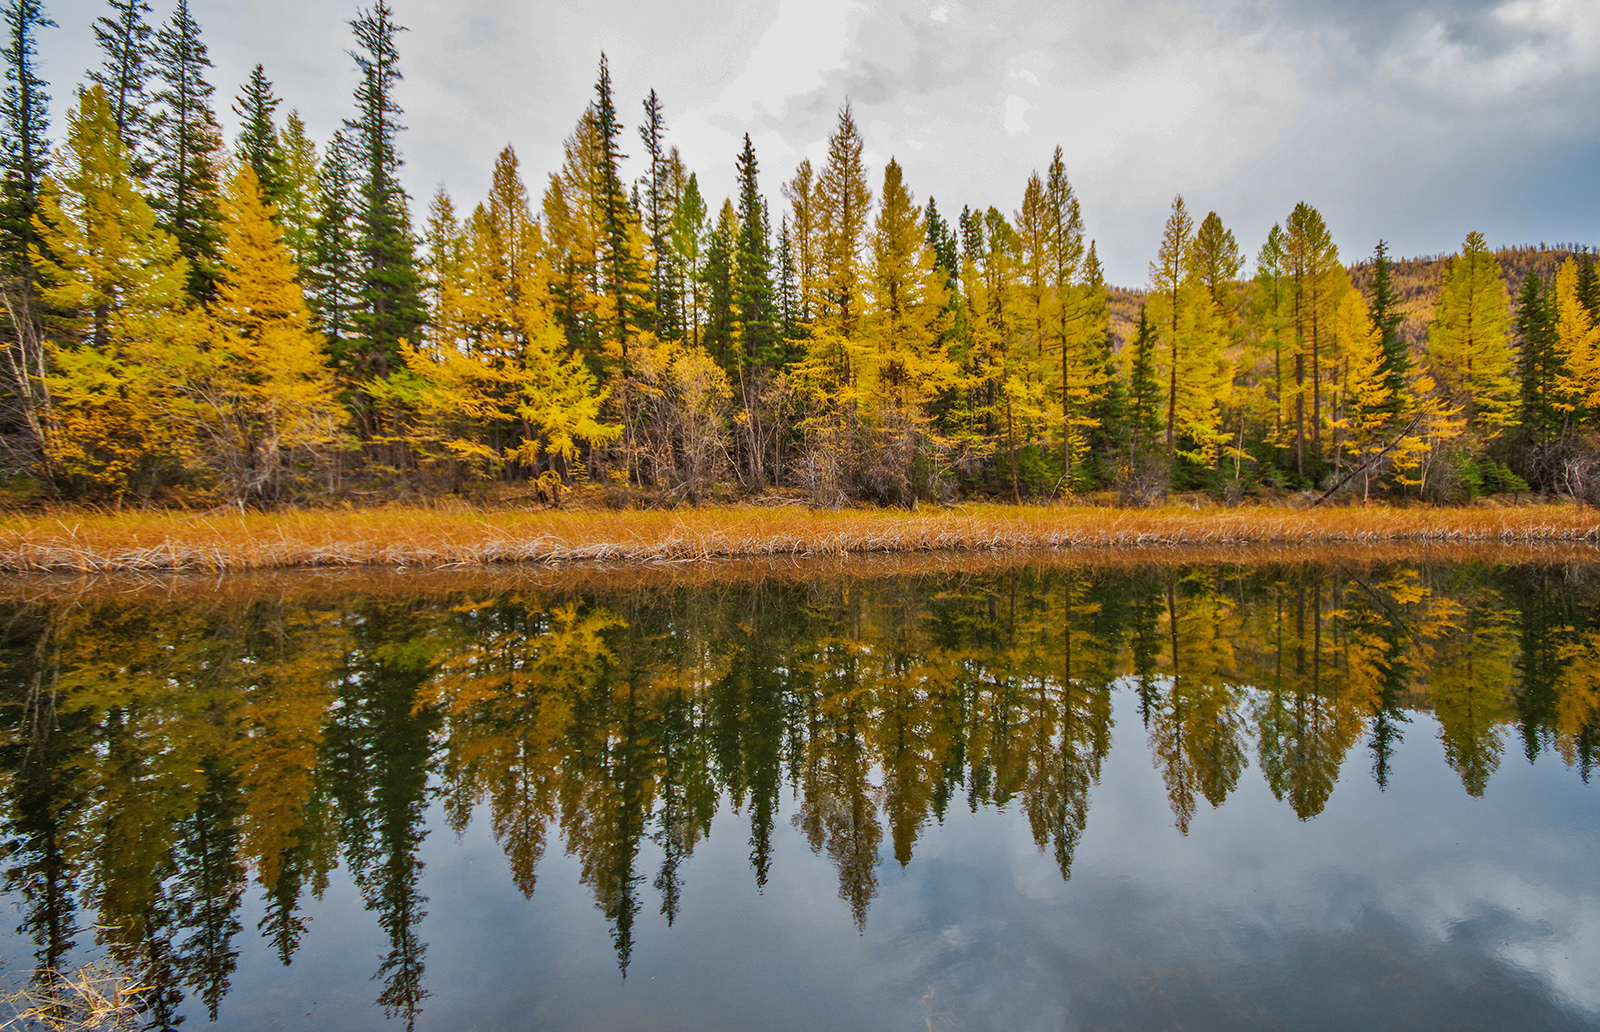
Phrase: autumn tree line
{"type": "Point", "coordinates": [261, 320]}
{"type": "Point", "coordinates": [158, 763]}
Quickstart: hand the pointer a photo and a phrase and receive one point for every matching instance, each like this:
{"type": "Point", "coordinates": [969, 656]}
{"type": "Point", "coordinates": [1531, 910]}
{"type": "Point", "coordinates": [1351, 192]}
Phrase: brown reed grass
{"type": "Point", "coordinates": [417, 538]}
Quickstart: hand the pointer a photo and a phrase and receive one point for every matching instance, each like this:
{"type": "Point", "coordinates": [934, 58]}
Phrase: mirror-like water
{"type": "Point", "coordinates": [1348, 796]}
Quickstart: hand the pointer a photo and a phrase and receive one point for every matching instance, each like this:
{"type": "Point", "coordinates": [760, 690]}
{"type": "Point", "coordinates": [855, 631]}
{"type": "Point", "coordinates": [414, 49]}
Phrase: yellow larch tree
{"type": "Point", "coordinates": [104, 262]}
{"type": "Point", "coordinates": [1578, 343]}
{"type": "Point", "coordinates": [909, 364]}
{"type": "Point", "coordinates": [264, 401]}
{"type": "Point", "coordinates": [1469, 341]}
{"type": "Point", "coordinates": [1361, 407]}
{"type": "Point", "coordinates": [493, 381]}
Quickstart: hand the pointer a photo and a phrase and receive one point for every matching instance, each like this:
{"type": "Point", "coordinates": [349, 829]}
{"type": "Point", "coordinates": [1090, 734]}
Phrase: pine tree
{"type": "Point", "coordinates": [125, 41]}
{"type": "Point", "coordinates": [1270, 318]}
{"type": "Point", "coordinates": [24, 126]}
{"type": "Point", "coordinates": [1144, 395]}
{"type": "Point", "coordinates": [388, 290]}
{"type": "Point", "coordinates": [1386, 316]}
{"type": "Point", "coordinates": [1469, 342]}
{"type": "Point", "coordinates": [787, 287]}
{"type": "Point", "coordinates": [258, 145]}
{"type": "Point", "coordinates": [187, 145]}
{"type": "Point", "coordinates": [720, 278]}
{"type": "Point", "coordinates": [658, 205]}
{"type": "Point", "coordinates": [688, 230]}
{"type": "Point", "coordinates": [333, 267]}
{"type": "Point", "coordinates": [1362, 405]}
{"type": "Point", "coordinates": [1588, 286]}
{"type": "Point", "coordinates": [298, 203]}
{"type": "Point", "coordinates": [618, 261]}
{"type": "Point", "coordinates": [1541, 366]}
{"type": "Point", "coordinates": [759, 343]}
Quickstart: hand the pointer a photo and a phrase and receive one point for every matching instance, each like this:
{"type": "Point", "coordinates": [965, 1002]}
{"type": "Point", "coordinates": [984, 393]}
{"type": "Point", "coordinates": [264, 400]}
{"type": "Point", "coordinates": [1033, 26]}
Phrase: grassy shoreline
{"type": "Point", "coordinates": [421, 538]}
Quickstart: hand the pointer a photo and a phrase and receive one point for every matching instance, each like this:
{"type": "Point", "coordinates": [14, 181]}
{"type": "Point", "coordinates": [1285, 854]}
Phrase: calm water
{"type": "Point", "coordinates": [1277, 797]}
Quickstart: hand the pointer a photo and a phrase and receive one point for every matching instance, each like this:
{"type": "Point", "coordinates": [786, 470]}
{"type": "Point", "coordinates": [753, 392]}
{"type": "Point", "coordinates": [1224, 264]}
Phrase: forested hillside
{"type": "Point", "coordinates": [271, 318]}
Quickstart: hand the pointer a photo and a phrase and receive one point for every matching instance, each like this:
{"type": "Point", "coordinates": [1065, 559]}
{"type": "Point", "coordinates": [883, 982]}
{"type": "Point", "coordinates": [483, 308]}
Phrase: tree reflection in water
{"type": "Point", "coordinates": [158, 758]}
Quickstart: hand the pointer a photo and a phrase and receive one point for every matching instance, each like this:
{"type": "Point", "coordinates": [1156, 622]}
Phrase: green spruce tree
{"type": "Point", "coordinates": [1384, 306]}
{"type": "Point", "coordinates": [24, 125]}
{"type": "Point", "coordinates": [388, 303]}
{"type": "Point", "coordinates": [753, 294]}
{"type": "Point", "coordinates": [125, 40]}
{"type": "Point", "coordinates": [258, 144]}
{"type": "Point", "coordinates": [187, 147]}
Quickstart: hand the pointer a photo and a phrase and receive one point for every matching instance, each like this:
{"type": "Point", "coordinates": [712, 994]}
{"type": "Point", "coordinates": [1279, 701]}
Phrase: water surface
{"type": "Point", "coordinates": [1352, 795]}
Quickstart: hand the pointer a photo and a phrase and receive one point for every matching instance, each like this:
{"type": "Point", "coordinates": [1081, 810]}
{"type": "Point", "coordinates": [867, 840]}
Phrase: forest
{"type": "Point", "coordinates": [264, 322]}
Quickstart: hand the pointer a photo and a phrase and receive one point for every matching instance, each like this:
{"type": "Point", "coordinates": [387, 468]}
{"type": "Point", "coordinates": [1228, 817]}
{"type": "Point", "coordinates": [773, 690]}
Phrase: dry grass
{"type": "Point", "coordinates": [317, 585]}
{"type": "Point", "coordinates": [91, 999]}
{"type": "Point", "coordinates": [415, 538]}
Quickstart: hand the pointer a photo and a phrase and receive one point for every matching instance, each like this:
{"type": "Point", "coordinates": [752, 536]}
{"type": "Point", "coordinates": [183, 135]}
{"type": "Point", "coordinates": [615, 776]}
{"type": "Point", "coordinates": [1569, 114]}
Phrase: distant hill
{"type": "Point", "coordinates": [1416, 281]}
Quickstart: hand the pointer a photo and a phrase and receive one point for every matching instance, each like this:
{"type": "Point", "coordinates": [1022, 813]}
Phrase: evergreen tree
{"type": "Point", "coordinates": [720, 278]}
{"type": "Point", "coordinates": [1540, 367]}
{"type": "Point", "coordinates": [1216, 260]}
{"type": "Point", "coordinates": [298, 202]}
{"type": "Point", "coordinates": [388, 305]}
{"type": "Point", "coordinates": [125, 41]}
{"type": "Point", "coordinates": [943, 241]}
{"type": "Point", "coordinates": [1386, 315]}
{"type": "Point", "coordinates": [688, 232]}
{"type": "Point", "coordinates": [24, 123]}
{"type": "Point", "coordinates": [333, 267]}
{"type": "Point", "coordinates": [1588, 286]}
{"type": "Point", "coordinates": [787, 287]}
{"type": "Point", "coordinates": [658, 205]}
{"type": "Point", "coordinates": [752, 296]}
{"type": "Point", "coordinates": [187, 145]}
{"type": "Point", "coordinates": [619, 262]}
{"type": "Point", "coordinates": [1144, 394]}
{"type": "Point", "coordinates": [258, 145]}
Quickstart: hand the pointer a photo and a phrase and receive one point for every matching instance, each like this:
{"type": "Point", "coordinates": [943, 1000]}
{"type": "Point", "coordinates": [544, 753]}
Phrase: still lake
{"type": "Point", "coordinates": [1349, 794]}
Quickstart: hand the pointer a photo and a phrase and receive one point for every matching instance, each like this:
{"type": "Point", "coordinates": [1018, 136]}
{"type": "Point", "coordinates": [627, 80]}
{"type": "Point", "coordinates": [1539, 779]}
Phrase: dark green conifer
{"type": "Point", "coordinates": [388, 299]}
{"type": "Point", "coordinates": [1386, 315]}
{"type": "Point", "coordinates": [719, 336]}
{"type": "Point", "coordinates": [125, 39]}
{"type": "Point", "coordinates": [187, 145]}
{"type": "Point", "coordinates": [1539, 366]}
{"type": "Point", "coordinates": [24, 124]}
{"type": "Point", "coordinates": [258, 145]}
{"type": "Point", "coordinates": [753, 295]}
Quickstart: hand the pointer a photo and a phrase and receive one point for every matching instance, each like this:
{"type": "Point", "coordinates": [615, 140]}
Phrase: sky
{"type": "Point", "coordinates": [1409, 121]}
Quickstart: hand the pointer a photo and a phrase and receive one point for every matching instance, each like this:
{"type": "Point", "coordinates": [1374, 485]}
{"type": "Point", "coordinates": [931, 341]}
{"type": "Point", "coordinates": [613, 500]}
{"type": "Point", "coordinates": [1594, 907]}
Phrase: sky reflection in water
{"type": "Point", "coordinates": [923, 720]}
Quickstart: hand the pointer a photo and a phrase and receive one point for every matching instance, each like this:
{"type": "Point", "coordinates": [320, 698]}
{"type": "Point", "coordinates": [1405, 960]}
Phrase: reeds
{"type": "Point", "coordinates": [91, 999]}
{"type": "Point", "coordinates": [413, 538]}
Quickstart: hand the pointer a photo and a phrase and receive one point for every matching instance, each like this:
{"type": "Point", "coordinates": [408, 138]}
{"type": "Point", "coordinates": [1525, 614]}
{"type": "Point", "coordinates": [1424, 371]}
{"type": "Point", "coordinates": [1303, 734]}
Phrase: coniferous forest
{"type": "Point", "coordinates": [271, 318]}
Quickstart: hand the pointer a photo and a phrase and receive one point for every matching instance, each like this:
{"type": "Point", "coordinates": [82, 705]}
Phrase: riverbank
{"type": "Point", "coordinates": [422, 538]}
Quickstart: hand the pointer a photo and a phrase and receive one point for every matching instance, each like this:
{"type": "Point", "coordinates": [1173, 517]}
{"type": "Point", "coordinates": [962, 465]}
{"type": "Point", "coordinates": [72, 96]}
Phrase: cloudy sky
{"type": "Point", "coordinates": [1406, 120]}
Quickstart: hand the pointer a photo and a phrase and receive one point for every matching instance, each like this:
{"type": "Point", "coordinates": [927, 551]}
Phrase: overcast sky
{"type": "Point", "coordinates": [1412, 121]}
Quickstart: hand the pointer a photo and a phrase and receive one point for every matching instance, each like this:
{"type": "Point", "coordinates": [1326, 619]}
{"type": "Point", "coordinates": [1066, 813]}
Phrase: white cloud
{"type": "Point", "coordinates": [1017, 116]}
